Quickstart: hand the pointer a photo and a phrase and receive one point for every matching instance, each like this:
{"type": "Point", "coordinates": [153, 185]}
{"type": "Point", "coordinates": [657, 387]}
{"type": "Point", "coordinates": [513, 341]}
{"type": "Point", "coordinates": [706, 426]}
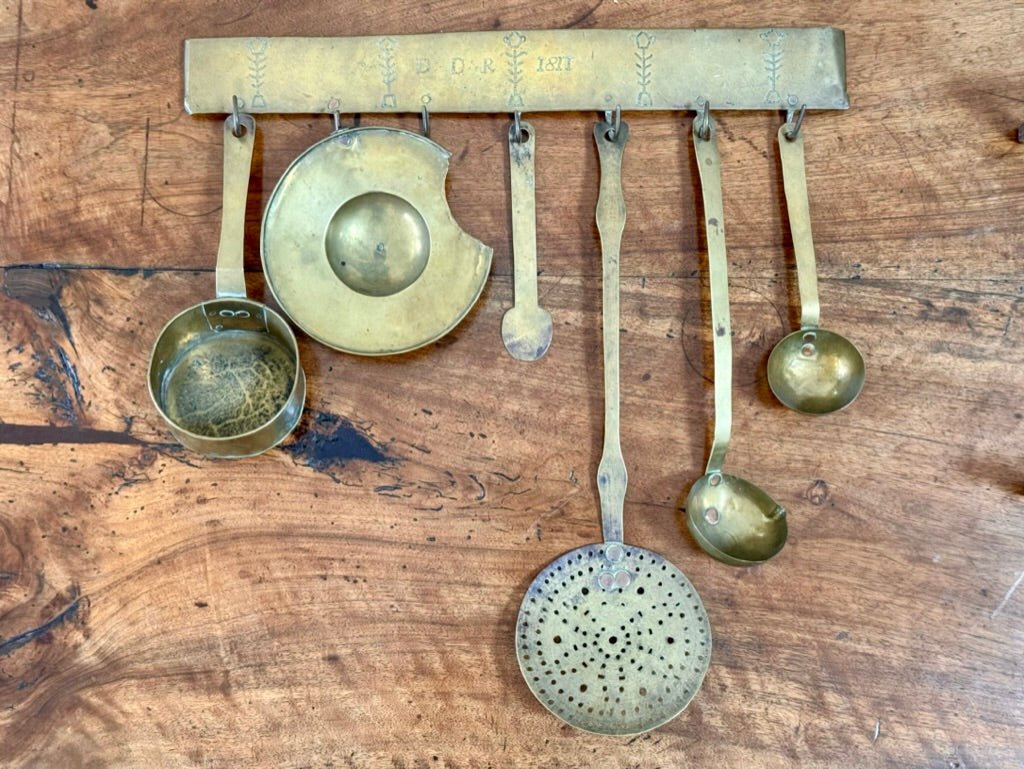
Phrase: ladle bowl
{"type": "Point", "coordinates": [735, 521]}
{"type": "Point", "coordinates": [814, 371]}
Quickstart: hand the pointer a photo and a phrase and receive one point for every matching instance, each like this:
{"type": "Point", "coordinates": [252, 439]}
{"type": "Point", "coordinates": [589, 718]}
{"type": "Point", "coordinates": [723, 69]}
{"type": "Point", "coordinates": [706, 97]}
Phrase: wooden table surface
{"type": "Point", "coordinates": [349, 599]}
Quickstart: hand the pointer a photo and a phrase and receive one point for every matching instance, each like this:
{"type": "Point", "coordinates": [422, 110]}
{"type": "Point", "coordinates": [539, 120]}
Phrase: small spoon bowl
{"type": "Point", "coordinates": [814, 371]}
{"type": "Point", "coordinates": [735, 521]}
{"type": "Point", "coordinates": [526, 331]}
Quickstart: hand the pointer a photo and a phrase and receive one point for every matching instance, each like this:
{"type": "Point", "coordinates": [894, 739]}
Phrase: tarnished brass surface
{"type": "Point", "coordinates": [360, 248]}
{"type": "Point", "coordinates": [612, 638]}
{"type": "Point", "coordinates": [525, 70]}
{"type": "Point", "coordinates": [811, 370]}
{"type": "Point", "coordinates": [225, 374]}
{"type": "Point", "coordinates": [731, 519]}
{"type": "Point", "coordinates": [526, 326]}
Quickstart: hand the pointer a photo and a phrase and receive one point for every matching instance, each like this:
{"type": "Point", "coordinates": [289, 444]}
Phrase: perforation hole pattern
{"type": "Point", "coordinates": [615, 661]}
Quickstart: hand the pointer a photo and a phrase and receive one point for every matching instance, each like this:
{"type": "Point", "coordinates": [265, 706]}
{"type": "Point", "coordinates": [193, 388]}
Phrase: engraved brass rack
{"type": "Point", "coordinates": [525, 71]}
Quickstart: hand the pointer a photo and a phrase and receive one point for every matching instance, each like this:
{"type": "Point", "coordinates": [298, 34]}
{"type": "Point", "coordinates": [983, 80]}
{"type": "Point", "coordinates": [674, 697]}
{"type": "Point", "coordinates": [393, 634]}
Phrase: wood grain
{"type": "Point", "coordinates": [349, 599]}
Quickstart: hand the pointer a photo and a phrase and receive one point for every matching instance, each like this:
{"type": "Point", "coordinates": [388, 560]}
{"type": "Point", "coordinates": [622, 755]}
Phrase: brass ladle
{"type": "Point", "coordinates": [526, 326]}
{"type": "Point", "coordinates": [732, 519]}
{"type": "Point", "coordinates": [811, 370]}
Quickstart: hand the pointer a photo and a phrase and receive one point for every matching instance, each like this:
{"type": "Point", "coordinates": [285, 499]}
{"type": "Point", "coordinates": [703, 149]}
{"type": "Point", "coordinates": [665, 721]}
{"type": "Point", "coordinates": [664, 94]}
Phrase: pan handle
{"type": "Point", "coordinates": [239, 138]}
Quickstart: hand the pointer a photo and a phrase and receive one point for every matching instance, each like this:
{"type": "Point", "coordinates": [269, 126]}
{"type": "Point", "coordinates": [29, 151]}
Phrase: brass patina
{"type": "Point", "coordinates": [225, 374]}
{"type": "Point", "coordinates": [812, 370]}
{"type": "Point", "coordinates": [612, 638]}
{"type": "Point", "coordinates": [526, 70]}
{"type": "Point", "coordinates": [526, 326]}
{"type": "Point", "coordinates": [360, 248]}
{"type": "Point", "coordinates": [731, 518]}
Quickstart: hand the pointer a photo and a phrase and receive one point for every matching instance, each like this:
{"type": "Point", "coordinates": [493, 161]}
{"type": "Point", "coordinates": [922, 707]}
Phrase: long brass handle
{"type": "Point", "coordinates": [524, 215]}
{"type": "Point", "coordinates": [611, 220]}
{"type": "Point", "coordinates": [709, 164]}
{"type": "Point", "coordinates": [794, 179]}
{"type": "Point", "coordinates": [237, 166]}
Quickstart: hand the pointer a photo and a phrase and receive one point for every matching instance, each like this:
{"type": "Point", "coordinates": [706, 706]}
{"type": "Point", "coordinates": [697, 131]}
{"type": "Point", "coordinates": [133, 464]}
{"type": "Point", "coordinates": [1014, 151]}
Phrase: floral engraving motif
{"type": "Point", "coordinates": [515, 55]}
{"type": "Point", "coordinates": [388, 71]}
{"type": "Point", "coordinates": [773, 62]}
{"type": "Point", "coordinates": [257, 68]}
{"type": "Point", "coordinates": [643, 67]}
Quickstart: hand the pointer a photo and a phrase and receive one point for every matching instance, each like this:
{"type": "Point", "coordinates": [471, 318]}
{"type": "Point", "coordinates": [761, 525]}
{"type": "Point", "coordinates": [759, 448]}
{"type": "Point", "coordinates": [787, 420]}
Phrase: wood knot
{"type": "Point", "coordinates": [818, 493]}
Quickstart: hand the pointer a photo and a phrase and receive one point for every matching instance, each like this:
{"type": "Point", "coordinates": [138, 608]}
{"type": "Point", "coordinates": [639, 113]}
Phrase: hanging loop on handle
{"type": "Point", "coordinates": [705, 145]}
{"type": "Point", "coordinates": [611, 220]}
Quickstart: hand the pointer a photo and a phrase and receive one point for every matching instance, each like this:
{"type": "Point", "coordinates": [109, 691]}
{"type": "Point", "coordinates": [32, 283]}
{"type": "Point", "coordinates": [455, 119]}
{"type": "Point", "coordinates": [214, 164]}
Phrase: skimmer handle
{"type": "Point", "coordinates": [611, 219]}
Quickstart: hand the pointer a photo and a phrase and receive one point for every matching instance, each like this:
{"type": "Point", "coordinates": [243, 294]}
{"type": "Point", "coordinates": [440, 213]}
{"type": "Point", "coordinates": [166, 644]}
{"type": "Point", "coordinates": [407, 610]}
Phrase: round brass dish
{"type": "Point", "coordinates": [360, 248]}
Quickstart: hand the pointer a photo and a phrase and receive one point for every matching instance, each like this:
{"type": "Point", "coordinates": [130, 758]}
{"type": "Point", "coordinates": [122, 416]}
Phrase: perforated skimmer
{"type": "Point", "coordinates": [612, 638]}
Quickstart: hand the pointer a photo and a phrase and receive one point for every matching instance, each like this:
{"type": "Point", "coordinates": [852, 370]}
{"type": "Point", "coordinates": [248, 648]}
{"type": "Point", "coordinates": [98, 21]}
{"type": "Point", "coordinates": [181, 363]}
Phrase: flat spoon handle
{"type": "Point", "coordinates": [524, 214]}
{"type": "Point", "coordinates": [230, 274]}
{"type": "Point", "coordinates": [709, 164]}
{"type": "Point", "coordinates": [794, 179]}
{"type": "Point", "coordinates": [611, 220]}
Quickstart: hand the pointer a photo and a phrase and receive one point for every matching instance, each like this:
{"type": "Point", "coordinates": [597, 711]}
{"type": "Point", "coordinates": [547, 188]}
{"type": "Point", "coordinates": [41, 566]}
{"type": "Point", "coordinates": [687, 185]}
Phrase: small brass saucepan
{"type": "Point", "coordinates": [225, 374]}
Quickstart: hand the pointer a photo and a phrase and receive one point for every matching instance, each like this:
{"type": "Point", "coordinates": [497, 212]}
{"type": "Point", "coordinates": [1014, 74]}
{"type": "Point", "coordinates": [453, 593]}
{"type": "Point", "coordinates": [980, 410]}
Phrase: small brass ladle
{"type": "Point", "coordinates": [811, 370]}
{"type": "Point", "coordinates": [732, 519]}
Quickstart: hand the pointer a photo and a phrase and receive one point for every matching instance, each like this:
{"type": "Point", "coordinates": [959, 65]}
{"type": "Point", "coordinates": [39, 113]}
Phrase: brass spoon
{"type": "Point", "coordinates": [526, 327]}
{"type": "Point", "coordinates": [811, 370]}
{"type": "Point", "coordinates": [731, 519]}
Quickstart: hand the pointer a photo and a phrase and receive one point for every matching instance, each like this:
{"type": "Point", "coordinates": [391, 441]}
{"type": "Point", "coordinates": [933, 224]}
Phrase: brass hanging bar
{"type": "Point", "coordinates": [527, 71]}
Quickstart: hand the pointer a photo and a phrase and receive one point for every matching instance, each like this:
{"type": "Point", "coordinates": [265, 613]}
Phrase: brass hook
{"type": "Point", "coordinates": [516, 132]}
{"type": "Point", "coordinates": [357, 118]}
{"type": "Point", "coordinates": [794, 128]}
{"type": "Point", "coordinates": [614, 119]}
{"type": "Point", "coordinates": [704, 121]}
{"type": "Point", "coordinates": [237, 129]}
{"type": "Point", "coordinates": [425, 121]}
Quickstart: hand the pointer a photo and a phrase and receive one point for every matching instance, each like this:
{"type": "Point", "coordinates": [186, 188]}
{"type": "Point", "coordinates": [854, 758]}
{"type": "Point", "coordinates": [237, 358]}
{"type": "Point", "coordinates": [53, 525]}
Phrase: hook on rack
{"type": "Point", "coordinates": [425, 121]}
{"type": "Point", "coordinates": [704, 120]}
{"type": "Point", "coordinates": [793, 128]}
{"type": "Point", "coordinates": [614, 119]}
{"type": "Point", "coordinates": [333, 107]}
{"type": "Point", "coordinates": [237, 128]}
{"type": "Point", "coordinates": [516, 132]}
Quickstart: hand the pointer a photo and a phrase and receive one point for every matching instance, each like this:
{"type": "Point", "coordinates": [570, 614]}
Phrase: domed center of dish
{"type": "Point", "coordinates": [377, 244]}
